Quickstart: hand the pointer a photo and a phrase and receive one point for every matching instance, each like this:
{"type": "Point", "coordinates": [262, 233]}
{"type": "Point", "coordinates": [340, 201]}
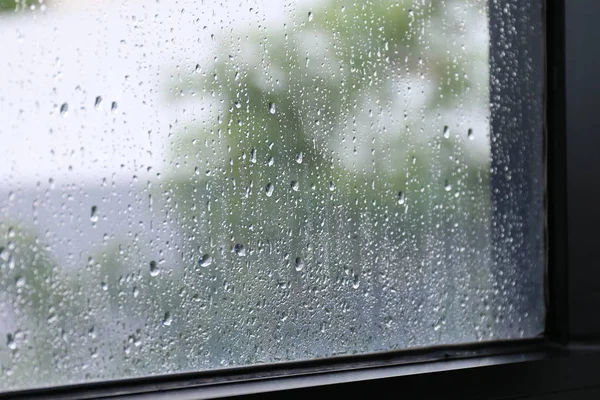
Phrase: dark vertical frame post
{"type": "Point", "coordinates": [556, 173]}
{"type": "Point", "coordinates": [517, 175]}
{"type": "Point", "coordinates": [582, 96]}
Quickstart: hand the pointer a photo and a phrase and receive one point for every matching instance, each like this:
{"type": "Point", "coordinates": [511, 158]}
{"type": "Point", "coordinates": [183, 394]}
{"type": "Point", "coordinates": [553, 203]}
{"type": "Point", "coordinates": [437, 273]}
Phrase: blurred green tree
{"type": "Point", "coordinates": [18, 5]}
{"type": "Point", "coordinates": [267, 177]}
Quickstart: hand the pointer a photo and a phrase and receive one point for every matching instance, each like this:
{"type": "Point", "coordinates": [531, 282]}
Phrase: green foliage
{"type": "Point", "coordinates": [341, 219]}
{"type": "Point", "coordinates": [365, 57]}
{"type": "Point", "coordinates": [16, 5]}
{"type": "Point", "coordinates": [40, 294]}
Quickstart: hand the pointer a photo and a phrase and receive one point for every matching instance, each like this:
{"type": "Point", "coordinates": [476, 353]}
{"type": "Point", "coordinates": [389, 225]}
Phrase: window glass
{"type": "Point", "coordinates": [191, 185]}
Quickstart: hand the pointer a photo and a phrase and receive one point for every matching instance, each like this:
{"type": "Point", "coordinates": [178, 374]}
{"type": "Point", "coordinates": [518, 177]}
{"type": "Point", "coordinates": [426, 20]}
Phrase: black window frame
{"type": "Point", "coordinates": [562, 364]}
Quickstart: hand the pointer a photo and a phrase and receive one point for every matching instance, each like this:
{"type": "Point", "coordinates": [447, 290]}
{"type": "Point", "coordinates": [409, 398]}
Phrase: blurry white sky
{"type": "Point", "coordinates": [123, 51]}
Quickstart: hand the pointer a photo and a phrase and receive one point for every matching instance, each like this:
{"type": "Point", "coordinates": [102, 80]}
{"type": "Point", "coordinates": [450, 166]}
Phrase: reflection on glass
{"type": "Point", "coordinates": [191, 186]}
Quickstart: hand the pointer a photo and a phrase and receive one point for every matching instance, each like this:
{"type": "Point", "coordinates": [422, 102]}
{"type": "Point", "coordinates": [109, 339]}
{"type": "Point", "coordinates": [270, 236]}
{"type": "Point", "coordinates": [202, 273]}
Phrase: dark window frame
{"type": "Point", "coordinates": [561, 365]}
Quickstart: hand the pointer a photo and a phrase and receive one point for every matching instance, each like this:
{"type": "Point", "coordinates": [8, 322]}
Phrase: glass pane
{"type": "Point", "coordinates": [196, 185]}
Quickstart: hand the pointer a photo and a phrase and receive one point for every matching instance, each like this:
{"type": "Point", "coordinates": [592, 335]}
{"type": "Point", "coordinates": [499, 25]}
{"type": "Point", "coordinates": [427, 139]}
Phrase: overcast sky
{"type": "Point", "coordinates": [124, 52]}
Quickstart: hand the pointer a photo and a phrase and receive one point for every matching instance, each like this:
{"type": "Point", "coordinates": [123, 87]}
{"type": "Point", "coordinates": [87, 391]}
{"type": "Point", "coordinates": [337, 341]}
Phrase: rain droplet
{"type": "Point", "coordinates": [205, 261]}
{"type": "Point", "coordinates": [10, 342]}
{"type": "Point", "coordinates": [269, 189]}
{"type": "Point", "coordinates": [271, 161]}
{"type": "Point", "coordinates": [355, 281]}
{"type": "Point", "coordinates": [167, 320]}
{"type": "Point", "coordinates": [401, 198]}
{"type": "Point", "coordinates": [253, 156]}
{"type": "Point", "coordinates": [299, 157]}
{"type": "Point", "coordinates": [98, 102]}
{"type": "Point", "coordinates": [447, 186]}
{"type": "Point", "coordinates": [64, 108]}
{"type": "Point", "coordinates": [470, 134]}
{"type": "Point", "coordinates": [446, 132]}
{"type": "Point", "coordinates": [310, 16]}
{"type": "Point", "coordinates": [240, 250]}
{"type": "Point", "coordinates": [94, 214]}
{"type": "Point", "coordinates": [272, 108]}
{"type": "Point", "coordinates": [331, 186]}
{"type": "Point", "coordinates": [299, 264]}
{"type": "Point", "coordinates": [295, 186]}
{"type": "Point", "coordinates": [114, 106]}
{"type": "Point", "coordinates": [154, 270]}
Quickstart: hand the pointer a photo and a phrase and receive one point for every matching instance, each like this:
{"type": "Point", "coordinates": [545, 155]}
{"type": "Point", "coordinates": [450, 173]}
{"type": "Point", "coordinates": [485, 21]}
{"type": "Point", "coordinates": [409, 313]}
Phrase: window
{"type": "Point", "coordinates": [286, 188]}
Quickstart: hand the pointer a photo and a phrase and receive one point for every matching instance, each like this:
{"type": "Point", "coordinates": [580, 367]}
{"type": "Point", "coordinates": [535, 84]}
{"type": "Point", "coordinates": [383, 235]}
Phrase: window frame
{"type": "Point", "coordinates": [560, 365]}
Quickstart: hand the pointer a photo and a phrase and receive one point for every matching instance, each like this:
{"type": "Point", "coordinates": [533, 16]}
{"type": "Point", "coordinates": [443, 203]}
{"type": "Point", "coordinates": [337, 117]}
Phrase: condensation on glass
{"type": "Point", "coordinates": [198, 185]}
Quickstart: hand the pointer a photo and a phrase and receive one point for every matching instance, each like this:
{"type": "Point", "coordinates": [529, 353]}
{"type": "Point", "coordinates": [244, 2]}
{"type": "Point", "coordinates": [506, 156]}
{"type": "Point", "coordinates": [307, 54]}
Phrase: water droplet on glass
{"type": "Point", "coordinates": [310, 16]}
{"type": "Point", "coordinates": [253, 156]}
{"type": "Point", "coordinates": [154, 270]}
{"type": "Point", "coordinates": [205, 261]}
{"type": "Point", "coordinates": [64, 108]}
{"type": "Point", "coordinates": [447, 186]}
{"type": "Point", "coordinates": [98, 102]}
{"type": "Point", "coordinates": [10, 342]}
{"type": "Point", "coordinates": [269, 189]}
{"type": "Point", "coordinates": [299, 264]}
{"type": "Point", "coordinates": [240, 250]}
{"type": "Point", "coordinates": [167, 320]}
{"type": "Point", "coordinates": [299, 157]}
{"type": "Point", "coordinates": [295, 186]}
{"type": "Point", "coordinates": [401, 198]}
{"type": "Point", "coordinates": [446, 132]}
{"type": "Point", "coordinates": [271, 161]}
{"type": "Point", "coordinates": [272, 108]}
{"type": "Point", "coordinates": [331, 186]}
{"type": "Point", "coordinates": [355, 281]}
{"type": "Point", "coordinates": [114, 106]}
{"type": "Point", "coordinates": [470, 134]}
{"type": "Point", "coordinates": [94, 214]}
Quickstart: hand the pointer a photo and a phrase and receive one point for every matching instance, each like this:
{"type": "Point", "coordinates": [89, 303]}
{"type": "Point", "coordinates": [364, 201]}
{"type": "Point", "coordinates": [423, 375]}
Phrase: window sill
{"type": "Point", "coordinates": [524, 369]}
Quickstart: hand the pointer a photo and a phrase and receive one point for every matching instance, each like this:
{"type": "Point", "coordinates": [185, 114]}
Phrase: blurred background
{"type": "Point", "coordinates": [193, 185]}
